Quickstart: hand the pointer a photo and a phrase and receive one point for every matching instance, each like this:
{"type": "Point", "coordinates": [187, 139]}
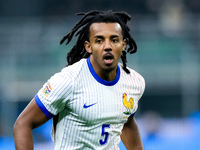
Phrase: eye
{"type": "Point", "coordinates": [114, 40]}
{"type": "Point", "coordinates": [99, 41]}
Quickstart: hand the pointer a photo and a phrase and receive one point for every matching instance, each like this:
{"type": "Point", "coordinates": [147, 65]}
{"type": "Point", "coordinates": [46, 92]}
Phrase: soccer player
{"type": "Point", "coordinates": [93, 100]}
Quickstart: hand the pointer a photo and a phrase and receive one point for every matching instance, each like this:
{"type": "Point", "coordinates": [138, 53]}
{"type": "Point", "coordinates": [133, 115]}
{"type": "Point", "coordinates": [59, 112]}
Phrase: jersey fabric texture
{"type": "Point", "coordinates": [91, 111]}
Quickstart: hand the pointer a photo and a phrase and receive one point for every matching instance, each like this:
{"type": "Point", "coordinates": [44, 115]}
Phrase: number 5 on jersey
{"type": "Point", "coordinates": [104, 134]}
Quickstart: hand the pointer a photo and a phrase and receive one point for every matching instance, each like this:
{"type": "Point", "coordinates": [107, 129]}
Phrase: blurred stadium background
{"type": "Point", "coordinates": [168, 36]}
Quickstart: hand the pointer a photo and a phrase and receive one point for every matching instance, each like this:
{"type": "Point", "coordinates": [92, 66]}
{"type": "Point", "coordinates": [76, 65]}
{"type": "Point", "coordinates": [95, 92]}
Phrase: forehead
{"type": "Point", "coordinates": [105, 28]}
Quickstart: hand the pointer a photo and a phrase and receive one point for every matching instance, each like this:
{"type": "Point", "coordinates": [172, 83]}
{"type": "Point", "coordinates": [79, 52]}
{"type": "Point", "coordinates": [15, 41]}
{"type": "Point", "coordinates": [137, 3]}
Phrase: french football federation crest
{"type": "Point", "coordinates": [128, 103]}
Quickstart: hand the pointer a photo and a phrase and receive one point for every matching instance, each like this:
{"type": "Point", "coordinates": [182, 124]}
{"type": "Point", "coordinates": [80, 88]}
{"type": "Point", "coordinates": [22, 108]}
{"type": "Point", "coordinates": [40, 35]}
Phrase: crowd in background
{"type": "Point", "coordinates": [64, 7]}
{"type": "Point", "coordinates": [167, 34]}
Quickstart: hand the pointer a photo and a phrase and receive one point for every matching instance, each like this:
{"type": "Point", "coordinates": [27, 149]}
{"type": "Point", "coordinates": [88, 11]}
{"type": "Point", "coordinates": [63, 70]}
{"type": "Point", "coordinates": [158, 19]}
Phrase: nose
{"type": "Point", "coordinates": [107, 46]}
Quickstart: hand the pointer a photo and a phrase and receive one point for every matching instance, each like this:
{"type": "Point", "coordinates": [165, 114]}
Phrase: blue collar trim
{"type": "Point", "coordinates": [104, 82]}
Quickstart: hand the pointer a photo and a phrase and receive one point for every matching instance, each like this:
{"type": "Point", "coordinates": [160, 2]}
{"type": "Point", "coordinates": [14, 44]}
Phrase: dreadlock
{"type": "Point", "coordinates": [82, 31]}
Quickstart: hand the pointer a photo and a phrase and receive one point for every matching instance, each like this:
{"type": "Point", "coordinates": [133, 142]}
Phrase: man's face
{"type": "Point", "coordinates": [105, 46]}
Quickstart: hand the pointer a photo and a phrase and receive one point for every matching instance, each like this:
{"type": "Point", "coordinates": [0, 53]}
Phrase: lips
{"type": "Point", "coordinates": [108, 58]}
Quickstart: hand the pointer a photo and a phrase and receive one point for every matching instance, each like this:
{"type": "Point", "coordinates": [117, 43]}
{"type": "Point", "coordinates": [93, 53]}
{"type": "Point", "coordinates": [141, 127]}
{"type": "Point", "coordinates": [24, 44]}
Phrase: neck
{"type": "Point", "coordinates": [107, 75]}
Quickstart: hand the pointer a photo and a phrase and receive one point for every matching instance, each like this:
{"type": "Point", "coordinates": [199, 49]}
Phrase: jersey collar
{"type": "Point", "coordinates": [98, 79]}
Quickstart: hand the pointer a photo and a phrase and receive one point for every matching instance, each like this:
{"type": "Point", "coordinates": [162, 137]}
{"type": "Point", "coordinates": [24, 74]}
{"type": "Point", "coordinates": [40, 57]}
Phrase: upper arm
{"type": "Point", "coordinates": [131, 136]}
{"type": "Point", "coordinates": [32, 116]}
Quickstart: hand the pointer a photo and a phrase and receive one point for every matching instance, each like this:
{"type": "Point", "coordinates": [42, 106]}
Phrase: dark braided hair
{"type": "Point", "coordinates": [82, 29]}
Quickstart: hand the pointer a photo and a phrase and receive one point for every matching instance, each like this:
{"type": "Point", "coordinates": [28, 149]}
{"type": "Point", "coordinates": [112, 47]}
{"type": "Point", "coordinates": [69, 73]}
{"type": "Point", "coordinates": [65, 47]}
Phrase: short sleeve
{"type": "Point", "coordinates": [142, 85]}
{"type": "Point", "coordinates": [54, 94]}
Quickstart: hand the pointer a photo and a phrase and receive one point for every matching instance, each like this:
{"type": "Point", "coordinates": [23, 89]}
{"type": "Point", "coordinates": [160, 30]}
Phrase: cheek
{"type": "Point", "coordinates": [120, 54]}
{"type": "Point", "coordinates": [119, 51]}
{"type": "Point", "coordinates": [97, 49]}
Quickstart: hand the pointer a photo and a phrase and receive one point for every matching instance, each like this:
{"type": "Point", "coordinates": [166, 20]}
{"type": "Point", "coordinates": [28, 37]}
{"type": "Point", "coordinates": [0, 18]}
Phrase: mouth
{"type": "Point", "coordinates": [108, 58]}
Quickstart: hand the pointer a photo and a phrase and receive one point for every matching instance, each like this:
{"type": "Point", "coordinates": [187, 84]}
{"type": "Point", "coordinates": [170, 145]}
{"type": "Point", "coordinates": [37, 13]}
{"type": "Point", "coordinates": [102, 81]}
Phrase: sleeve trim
{"type": "Point", "coordinates": [132, 115]}
{"type": "Point", "coordinates": [43, 108]}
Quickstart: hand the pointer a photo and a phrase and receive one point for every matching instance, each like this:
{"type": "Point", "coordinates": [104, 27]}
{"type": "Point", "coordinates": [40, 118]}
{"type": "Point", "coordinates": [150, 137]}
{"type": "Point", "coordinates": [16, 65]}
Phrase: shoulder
{"type": "Point", "coordinates": [133, 75]}
{"type": "Point", "coordinates": [72, 71]}
{"type": "Point", "coordinates": [67, 75]}
{"type": "Point", "coordinates": [61, 84]}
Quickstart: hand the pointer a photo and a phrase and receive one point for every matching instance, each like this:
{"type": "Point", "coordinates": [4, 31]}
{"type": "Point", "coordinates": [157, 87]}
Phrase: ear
{"type": "Point", "coordinates": [87, 47]}
{"type": "Point", "coordinates": [124, 44]}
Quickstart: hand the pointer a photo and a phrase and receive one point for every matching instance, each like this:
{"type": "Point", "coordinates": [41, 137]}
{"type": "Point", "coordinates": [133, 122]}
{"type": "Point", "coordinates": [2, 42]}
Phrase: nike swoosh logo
{"type": "Point", "coordinates": [87, 106]}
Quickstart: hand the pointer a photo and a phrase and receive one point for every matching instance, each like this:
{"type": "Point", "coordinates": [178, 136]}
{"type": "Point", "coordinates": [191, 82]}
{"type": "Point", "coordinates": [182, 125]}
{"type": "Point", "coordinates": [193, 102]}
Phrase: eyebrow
{"type": "Point", "coordinates": [100, 36]}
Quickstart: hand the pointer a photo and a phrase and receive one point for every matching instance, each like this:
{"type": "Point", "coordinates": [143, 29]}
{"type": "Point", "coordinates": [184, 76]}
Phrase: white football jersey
{"type": "Point", "coordinates": [91, 111]}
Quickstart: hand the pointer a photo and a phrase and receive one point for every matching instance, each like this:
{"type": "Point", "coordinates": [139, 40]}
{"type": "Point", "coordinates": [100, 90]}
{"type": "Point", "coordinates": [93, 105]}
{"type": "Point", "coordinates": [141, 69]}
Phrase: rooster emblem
{"type": "Point", "coordinates": [128, 104]}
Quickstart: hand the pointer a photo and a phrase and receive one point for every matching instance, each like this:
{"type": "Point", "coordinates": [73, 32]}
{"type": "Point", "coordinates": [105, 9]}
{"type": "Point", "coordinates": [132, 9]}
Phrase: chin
{"type": "Point", "coordinates": [109, 68]}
